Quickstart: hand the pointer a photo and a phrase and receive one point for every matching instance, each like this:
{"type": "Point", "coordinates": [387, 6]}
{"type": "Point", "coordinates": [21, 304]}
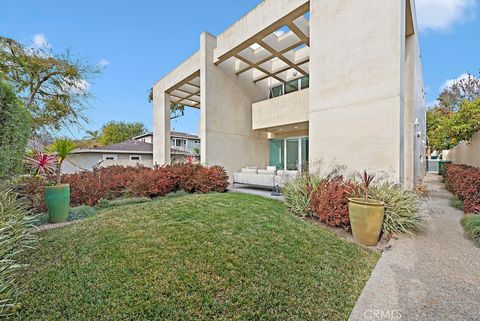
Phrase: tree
{"type": "Point", "coordinates": [54, 88]}
{"type": "Point", "coordinates": [14, 131]}
{"type": "Point", "coordinates": [456, 117]}
{"type": "Point", "coordinates": [466, 88]}
{"type": "Point", "coordinates": [92, 135]}
{"type": "Point", "coordinates": [176, 110]}
{"type": "Point", "coordinates": [116, 132]}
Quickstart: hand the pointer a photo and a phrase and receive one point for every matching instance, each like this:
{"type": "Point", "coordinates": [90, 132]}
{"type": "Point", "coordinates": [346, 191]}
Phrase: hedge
{"type": "Point", "coordinates": [108, 183]}
{"type": "Point", "coordinates": [464, 182]}
{"type": "Point", "coordinates": [15, 129]}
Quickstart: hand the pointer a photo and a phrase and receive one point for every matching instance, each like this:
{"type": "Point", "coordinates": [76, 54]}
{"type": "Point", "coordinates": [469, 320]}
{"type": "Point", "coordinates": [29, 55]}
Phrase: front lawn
{"type": "Point", "coordinates": [209, 257]}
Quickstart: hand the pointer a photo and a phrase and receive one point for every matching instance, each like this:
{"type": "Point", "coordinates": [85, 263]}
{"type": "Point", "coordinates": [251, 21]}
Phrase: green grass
{"type": "Point", "coordinates": [456, 203]}
{"type": "Point", "coordinates": [471, 224]}
{"type": "Point", "coordinates": [197, 257]}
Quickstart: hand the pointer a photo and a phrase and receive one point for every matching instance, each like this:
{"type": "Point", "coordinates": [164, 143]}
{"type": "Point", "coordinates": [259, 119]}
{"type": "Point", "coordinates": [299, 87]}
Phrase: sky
{"type": "Point", "coordinates": [139, 42]}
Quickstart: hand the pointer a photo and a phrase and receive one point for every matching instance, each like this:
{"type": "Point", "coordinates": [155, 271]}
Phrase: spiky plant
{"type": "Point", "coordinates": [471, 224]}
{"type": "Point", "coordinates": [401, 209]}
{"type": "Point", "coordinates": [62, 148]}
{"type": "Point", "coordinates": [15, 237]}
{"type": "Point", "coordinates": [41, 163]}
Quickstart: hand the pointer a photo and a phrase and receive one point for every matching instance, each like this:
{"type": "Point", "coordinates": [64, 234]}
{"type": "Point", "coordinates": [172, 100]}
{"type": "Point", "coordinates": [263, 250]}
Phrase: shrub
{"type": "Point", "coordinates": [80, 212]}
{"type": "Point", "coordinates": [297, 193]}
{"type": "Point", "coordinates": [15, 238]}
{"type": "Point", "coordinates": [471, 224]}
{"type": "Point", "coordinates": [14, 131]}
{"type": "Point", "coordinates": [401, 208]}
{"type": "Point", "coordinates": [329, 201]}
{"type": "Point", "coordinates": [103, 184]}
{"type": "Point", "coordinates": [464, 181]}
{"type": "Point", "coordinates": [152, 183]}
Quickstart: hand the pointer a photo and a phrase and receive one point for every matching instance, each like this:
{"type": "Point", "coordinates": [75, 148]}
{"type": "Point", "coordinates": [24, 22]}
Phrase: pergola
{"type": "Point", "coordinates": [274, 51]}
{"type": "Point", "coordinates": [187, 92]}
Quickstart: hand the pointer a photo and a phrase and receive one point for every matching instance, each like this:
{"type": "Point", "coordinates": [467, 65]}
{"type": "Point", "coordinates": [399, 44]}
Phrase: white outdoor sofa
{"type": "Point", "coordinates": [265, 178]}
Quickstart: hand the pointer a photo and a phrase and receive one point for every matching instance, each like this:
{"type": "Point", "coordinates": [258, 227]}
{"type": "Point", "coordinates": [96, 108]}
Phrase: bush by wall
{"type": "Point", "coordinates": [89, 187]}
{"type": "Point", "coordinates": [15, 238]}
{"type": "Point", "coordinates": [15, 129]}
{"type": "Point", "coordinates": [329, 201]}
{"type": "Point", "coordinates": [464, 181]}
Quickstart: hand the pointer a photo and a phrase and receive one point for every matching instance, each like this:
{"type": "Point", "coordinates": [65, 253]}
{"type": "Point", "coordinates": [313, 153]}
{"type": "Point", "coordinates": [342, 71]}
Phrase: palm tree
{"type": "Point", "coordinates": [92, 135]}
{"type": "Point", "coordinates": [62, 148]}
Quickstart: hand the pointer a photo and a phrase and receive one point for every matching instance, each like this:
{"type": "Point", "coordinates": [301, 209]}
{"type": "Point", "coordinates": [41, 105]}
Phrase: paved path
{"type": "Point", "coordinates": [435, 276]}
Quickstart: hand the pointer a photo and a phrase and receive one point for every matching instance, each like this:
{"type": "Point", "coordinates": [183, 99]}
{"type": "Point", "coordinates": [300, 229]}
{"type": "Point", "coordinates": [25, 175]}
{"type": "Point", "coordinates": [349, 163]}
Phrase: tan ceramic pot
{"type": "Point", "coordinates": [366, 218]}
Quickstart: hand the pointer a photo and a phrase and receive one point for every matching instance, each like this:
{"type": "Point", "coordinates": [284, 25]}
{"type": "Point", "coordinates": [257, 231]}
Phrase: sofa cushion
{"type": "Point", "coordinates": [271, 168]}
{"type": "Point", "coordinates": [249, 171]}
{"type": "Point", "coordinates": [265, 172]}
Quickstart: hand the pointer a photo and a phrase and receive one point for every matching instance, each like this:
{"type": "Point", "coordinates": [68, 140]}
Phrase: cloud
{"type": "Point", "coordinates": [451, 82]}
{"type": "Point", "coordinates": [103, 63]}
{"type": "Point", "coordinates": [40, 41]}
{"type": "Point", "coordinates": [441, 15]}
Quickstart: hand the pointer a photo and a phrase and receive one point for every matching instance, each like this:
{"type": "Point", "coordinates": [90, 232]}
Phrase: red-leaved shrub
{"type": "Point", "coordinates": [329, 202]}
{"type": "Point", "coordinates": [464, 181]}
{"type": "Point", "coordinates": [88, 187]}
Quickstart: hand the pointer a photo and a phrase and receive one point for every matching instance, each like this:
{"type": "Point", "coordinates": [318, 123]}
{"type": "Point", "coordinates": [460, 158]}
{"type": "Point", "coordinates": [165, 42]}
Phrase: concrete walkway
{"type": "Point", "coordinates": [435, 276]}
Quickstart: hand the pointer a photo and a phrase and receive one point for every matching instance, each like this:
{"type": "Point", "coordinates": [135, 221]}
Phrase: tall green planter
{"type": "Point", "coordinates": [57, 199]}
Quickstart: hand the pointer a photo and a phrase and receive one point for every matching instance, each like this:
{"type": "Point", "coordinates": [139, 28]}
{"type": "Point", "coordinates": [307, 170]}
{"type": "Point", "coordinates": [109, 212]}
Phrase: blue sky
{"type": "Point", "coordinates": [138, 42]}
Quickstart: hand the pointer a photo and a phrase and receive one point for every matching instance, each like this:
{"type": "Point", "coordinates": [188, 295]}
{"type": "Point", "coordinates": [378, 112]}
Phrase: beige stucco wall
{"type": "Point", "coordinates": [357, 94]}
{"type": "Point", "coordinates": [226, 132]}
{"type": "Point", "coordinates": [465, 153]}
{"type": "Point", "coordinates": [283, 110]}
{"type": "Point", "coordinates": [87, 161]}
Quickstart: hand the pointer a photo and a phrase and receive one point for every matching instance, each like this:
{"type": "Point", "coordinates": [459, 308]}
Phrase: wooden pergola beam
{"type": "Point", "coordinates": [299, 33]}
{"type": "Point", "coordinates": [270, 57]}
{"type": "Point", "coordinates": [254, 65]}
{"type": "Point", "coordinates": [265, 32]}
{"type": "Point", "coordinates": [281, 70]}
{"type": "Point", "coordinates": [280, 56]}
{"type": "Point", "coordinates": [184, 81]}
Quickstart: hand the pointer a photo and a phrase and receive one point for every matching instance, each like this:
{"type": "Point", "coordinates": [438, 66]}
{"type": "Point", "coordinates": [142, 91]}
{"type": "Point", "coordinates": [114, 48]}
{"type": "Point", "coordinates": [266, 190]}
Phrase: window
{"type": "Point", "coordinates": [197, 142]}
{"type": "Point", "coordinates": [291, 86]}
{"type": "Point", "coordinates": [177, 142]}
{"type": "Point", "coordinates": [109, 157]}
{"type": "Point", "coordinates": [135, 157]}
{"type": "Point", "coordinates": [276, 91]}
{"type": "Point", "coordinates": [305, 81]}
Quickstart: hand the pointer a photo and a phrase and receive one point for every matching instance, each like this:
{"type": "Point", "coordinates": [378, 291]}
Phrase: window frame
{"type": "Point", "coordinates": [110, 157]}
{"type": "Point", "coordinates": [139, 157]}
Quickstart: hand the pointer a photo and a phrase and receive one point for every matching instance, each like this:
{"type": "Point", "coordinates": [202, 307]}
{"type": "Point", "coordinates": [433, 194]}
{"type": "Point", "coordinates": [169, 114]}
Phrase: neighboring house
{"type": "Point", "coordinates": [298, 82]}
{"type": "Point", "coordinates": [138, 150]}
{"type": "Point", "coordinates": [129, 153]}
{"type": "Point", "coordinates": [181, 144]}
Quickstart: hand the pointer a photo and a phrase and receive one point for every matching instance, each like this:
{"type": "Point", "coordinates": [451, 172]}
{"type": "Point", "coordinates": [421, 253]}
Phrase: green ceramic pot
{"type": "Point", "coordinates": [57, 199]}
{"type": "Point", "coordinates": [366, 219]}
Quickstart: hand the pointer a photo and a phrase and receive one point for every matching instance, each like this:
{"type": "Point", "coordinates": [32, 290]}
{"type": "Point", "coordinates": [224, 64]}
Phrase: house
{"type": "Point", "coordinates": [296, 82]}
{"type": "Point", "coordinates": [137, 151]}
{"type": "Point", "coordinates": [128, 153]}
{"type": "Point", "coordinates": [181, 143]}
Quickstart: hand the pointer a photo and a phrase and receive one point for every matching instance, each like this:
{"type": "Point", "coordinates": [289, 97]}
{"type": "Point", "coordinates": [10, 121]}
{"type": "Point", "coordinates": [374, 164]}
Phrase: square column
{"type": "Point", "coordinates": [161, 127]}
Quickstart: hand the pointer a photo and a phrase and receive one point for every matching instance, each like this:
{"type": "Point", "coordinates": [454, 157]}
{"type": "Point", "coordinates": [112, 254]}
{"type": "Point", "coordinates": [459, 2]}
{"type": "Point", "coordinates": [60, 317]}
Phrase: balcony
{"type": "Point", "coordinates": [280, 111]}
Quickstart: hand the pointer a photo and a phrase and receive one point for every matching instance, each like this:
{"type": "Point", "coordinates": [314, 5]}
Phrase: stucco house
{"type": "Point", "coordinates": [136, 151]}
{"type": "Point", "coordinates": [128, 153]}
{"type": "Point", "coordinates": [296, 82]}
{"type": "Point", "coordinates": [181, 143]}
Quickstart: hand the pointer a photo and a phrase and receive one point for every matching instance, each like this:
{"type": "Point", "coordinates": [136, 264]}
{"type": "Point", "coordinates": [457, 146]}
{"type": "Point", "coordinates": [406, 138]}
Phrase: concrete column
{"type": "Point", "coordinates": [409, 118]}
{"type": "Point", "coordinates": [355, 84]}
{"type": "Point", "coordinates": [226, 134]}
{"type": "Point", "coordinates": [161, 127]}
